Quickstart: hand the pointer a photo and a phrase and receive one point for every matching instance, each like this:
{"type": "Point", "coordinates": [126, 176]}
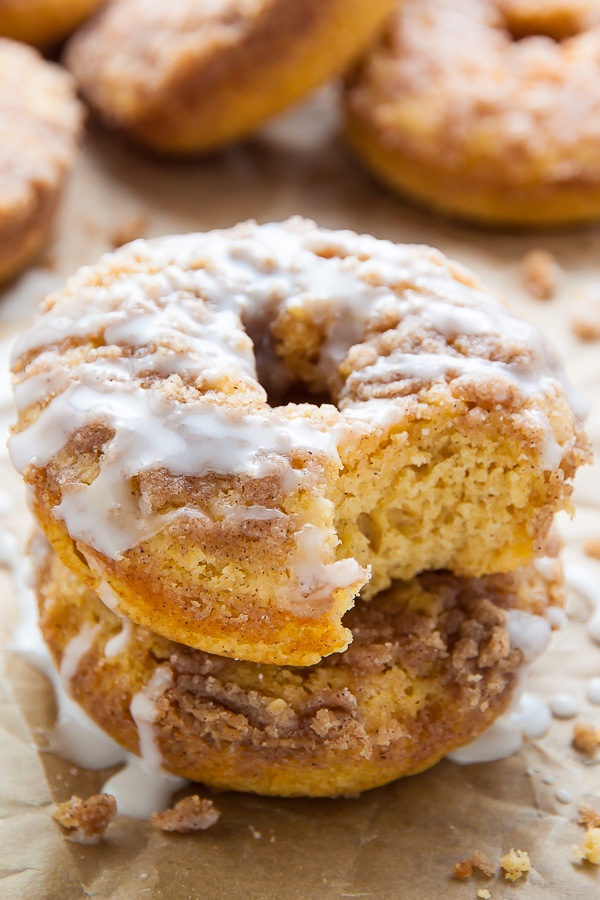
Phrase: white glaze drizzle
{"type": "Point", "coordinates": [186, 317]}
{"type": "Point", "coordinates": [73, 653]}
{"type": "Point", "coordinates": [564, 706]}
{"type": "Point", "coordinates": [140, 792]}
{"type": "Point", "coordinates": [144, 712]}
{"type": "Point", "coordinates": [593, 690]}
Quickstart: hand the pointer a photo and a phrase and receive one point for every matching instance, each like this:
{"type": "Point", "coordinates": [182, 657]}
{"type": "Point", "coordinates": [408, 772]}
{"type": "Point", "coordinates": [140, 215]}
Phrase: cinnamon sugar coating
{"type": "Point", "coordinates": [431, 666]}
{"type": "Point", "coordinates": [40, 123]}
{"type": "Point", "coordinates": [184, 77]}
{"type": "Point", "coordinates": [486, 109]}
{"type": "Point", "coordinates": [233, 521]}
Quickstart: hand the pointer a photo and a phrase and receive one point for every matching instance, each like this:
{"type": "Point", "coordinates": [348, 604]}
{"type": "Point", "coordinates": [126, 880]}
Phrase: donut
{"type": "Point", "coordinates": [43, 23]}
{"type": "Point", "coordinates": [485, 110]}
{"type": "Point", "coordinates": [40, 124]}
{"type": "Point", "coordinates": [185, 77]}
{"type": "Point", "coordinates": [170, 468]}
{"type": "Point", "coordinates": [434, 662]}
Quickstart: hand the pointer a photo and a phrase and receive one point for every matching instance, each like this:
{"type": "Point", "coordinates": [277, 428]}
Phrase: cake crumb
{"type": "Point", "coordinates": [590, 849]}
{"type": "Point", "coordinates": [86, 820]}
{"type": "Point", "coordinates": [586, 738]}
{"type": "Point", "coordinates": [541, 274]}
{"type": "Point", "coordinates": [256, 834]}
{"type": "Point", "coordinates": [585, 323]}
{"type": "Point", "coordinates": [592, 547]}
{"type": "Point", "coordinates": [515, 864]}
{"type": "Point", "coordinates": [464, 869]}
{"type": "Point", "coordinates": [588, 816]}
{"type": "Point", "coordinates": [484, 894]}
{"type": "Point", "coordinates": [129, 230]}
{"type": "Point", "coordinates": [190, 814]}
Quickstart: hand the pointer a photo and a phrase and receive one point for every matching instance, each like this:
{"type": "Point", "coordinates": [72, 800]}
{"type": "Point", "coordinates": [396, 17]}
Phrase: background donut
{"type": "Point", "coordinates": [44, 23]}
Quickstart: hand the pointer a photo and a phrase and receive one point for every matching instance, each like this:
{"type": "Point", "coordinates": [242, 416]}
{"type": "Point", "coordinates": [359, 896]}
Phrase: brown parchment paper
{"type": "Point", "coordinates": [395, 842]}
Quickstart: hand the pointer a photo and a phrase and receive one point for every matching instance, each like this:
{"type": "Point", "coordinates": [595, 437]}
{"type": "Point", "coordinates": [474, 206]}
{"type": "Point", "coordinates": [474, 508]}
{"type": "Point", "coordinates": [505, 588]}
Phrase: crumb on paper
{"type": "Point", "coordinates": [129, 230]}
{"type": "Point", "coordinates": [484, 894]}
{"type": "Point", "coordinates": [541, 274]}
{"type": "Point", "coordinates": [86, 820]}
{"type": "Point", "coordinates": [464, 869]}
{"type": "Point", "coordinates": [588, 816]}
{"type": "Point", "coordinates": [585, 322]}
{"type": "Point", "coordinates": [190, 814]}
{"type": "Point", "coordinates": [256, 834]}
{"type": "Point", "coordinates": [515, 864]}
{"type": "Point", "coordinates": [586, 738]}
{"type": "Point", "coordinates": [590, 849]}
{"type": "Point", "coordinates": [592, 547]}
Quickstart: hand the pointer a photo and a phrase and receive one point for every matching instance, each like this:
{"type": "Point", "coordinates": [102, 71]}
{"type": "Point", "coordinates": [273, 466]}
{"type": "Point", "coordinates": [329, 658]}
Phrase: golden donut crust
{"type": "Point", "coordinates": [40, 124]}
{"type": "Point", "coordinates": [254, 539]}
{"type": "Point", "coordinates": [43, 23]}
{"type": "Point", "coordinates": [180, 78]}
{"type": "Point", "coordinates": [430, 668]}
{"type": "Point", "coordinates": [485, 109]}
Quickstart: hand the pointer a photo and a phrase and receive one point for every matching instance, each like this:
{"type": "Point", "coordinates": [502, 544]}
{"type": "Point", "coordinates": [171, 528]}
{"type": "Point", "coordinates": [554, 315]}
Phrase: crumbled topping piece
{"type": "Point", "coordinates": [515, 864]}
{"type": "Point", "coordinates": [479, 861]}
{"type": "Point", "coordinates": [585, 322]}
{"type": "Point", "coordinates": [86, 820]}
{"type": "Point", "coordinates": [190, 814]}
{"type": "Point", "coordinates": [541, 274]}
{"type": "Point", "coordinates": [586, 738]}
{"type": "Point", "coordinates": [590, 849]}
{"type": "Point", "coordinates": [588, 816]}
{"type": "Point", "coordinates": [484, 894]}
{"type": "Point", "coordinates": [592, 547]}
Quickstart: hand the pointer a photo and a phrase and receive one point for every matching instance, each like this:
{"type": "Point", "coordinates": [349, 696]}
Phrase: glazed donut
{"type": "Point", "coordinates": [485, 109]}
{"type": "Point", "coordinates": [234, 521]}
{"type": "Point", "coordinates": [40, 123]}
{"type": "Point", "coordinates": [434, 662]}
{"type": "Point", "coordinates": [43, 23]}
{"type": "Point", "coordinates": [184, 77]}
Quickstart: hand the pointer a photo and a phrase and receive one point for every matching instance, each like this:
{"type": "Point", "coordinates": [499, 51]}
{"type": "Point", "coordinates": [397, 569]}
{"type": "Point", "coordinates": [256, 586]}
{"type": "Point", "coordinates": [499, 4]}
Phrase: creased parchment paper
{"type": "Point", "coordinates": [400, 841]}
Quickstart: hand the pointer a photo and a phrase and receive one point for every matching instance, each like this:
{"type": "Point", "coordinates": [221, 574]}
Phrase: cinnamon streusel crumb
{"type": "Point", "coordinates": [592, 547]}
{"type": "Point", "coordinates": [479, 861]}
{"type": "Point", "coordinates": [190, 814]}
{"type": "Point", "coordinates": [86, 820]}
{"type": "Point", "coordinates": [541, 274]}
{"type": "Point", "coordinates": [586, 738]}
{"type": "Point", "coordinates": [588, 816]}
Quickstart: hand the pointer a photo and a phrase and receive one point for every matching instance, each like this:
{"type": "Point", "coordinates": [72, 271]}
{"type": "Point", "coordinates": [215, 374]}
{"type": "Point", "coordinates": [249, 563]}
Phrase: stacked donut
{"type": "Point", "coordinates": [294, 484]}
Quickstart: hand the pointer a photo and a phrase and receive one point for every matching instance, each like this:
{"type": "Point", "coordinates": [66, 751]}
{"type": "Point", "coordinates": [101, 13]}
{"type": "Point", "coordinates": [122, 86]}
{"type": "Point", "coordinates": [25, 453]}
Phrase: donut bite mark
{"type": "Point", "coordinates": [219, 514]}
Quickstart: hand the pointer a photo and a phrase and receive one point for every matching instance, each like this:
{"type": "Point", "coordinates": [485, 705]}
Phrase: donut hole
{"type": "Point", "coordinates": [557, 24]}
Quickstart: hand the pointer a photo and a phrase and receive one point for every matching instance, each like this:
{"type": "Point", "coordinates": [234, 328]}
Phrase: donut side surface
{"type": "Point", "coordinates": [40, 125]}
{"type": "Point", "coordinates": [43, 23]}
{"type": "Point", "coordinates": [431, 667]}
{"type": "Point", "coordinates": [182, 79]}
{"type": "Point", "coordinates": [485, 109]}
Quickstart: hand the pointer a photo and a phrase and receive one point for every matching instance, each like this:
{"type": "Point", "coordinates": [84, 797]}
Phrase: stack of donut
{"type": "Point", "coordinates": [297, 488]}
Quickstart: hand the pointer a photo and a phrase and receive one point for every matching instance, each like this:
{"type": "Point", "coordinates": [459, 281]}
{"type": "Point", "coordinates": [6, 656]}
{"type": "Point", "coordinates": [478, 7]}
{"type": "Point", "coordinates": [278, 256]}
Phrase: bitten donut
{"type": "Point", "coordinates": [184, 77]}
{"type": "Point", "coordinates": [434, 662]}
{"type": "Point", "coordinates": [485, 109]}
{"type": "Point", "coordinates": [40, 123]}
{"type": "Point", "coordinates": [169, 469]}
{"type": "Point", "coordinates": [43, 23]}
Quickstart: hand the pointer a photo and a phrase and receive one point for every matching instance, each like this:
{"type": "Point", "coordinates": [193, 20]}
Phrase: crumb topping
{"type": "Point", "coordinates": [586, 738]}
{"type": "Point", "coordinates": [541, 274]}
{"type": "Point", "coordinates": [515, 863]}
{"type": "Point", "coordinates": [190, 814]}
{"type": "Point", "coordinates": [86, 820]}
